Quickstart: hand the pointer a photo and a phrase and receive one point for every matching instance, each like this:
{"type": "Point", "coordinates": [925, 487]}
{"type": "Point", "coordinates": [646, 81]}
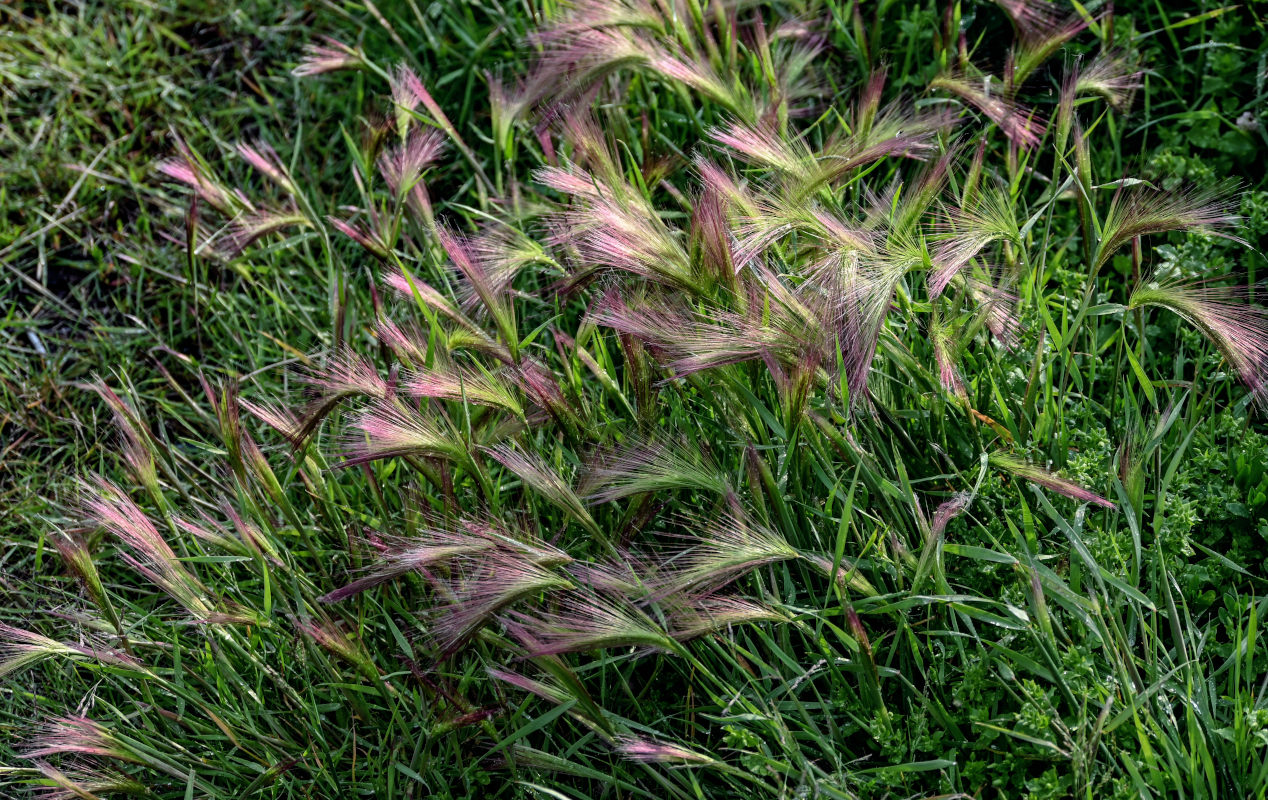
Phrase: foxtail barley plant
{"type": "Point", "coordinates": [672, 450]}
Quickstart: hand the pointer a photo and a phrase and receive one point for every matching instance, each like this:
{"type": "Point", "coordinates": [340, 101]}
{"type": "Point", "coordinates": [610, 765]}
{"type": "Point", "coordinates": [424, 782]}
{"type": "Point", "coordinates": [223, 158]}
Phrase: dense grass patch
{"type": "Point", "coordinates": [623, 399]}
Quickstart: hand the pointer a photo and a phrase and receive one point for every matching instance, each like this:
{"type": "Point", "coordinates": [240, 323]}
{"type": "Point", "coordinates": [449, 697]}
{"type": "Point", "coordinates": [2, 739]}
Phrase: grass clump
{"type": "Point", "coordinates": [727, 411]}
